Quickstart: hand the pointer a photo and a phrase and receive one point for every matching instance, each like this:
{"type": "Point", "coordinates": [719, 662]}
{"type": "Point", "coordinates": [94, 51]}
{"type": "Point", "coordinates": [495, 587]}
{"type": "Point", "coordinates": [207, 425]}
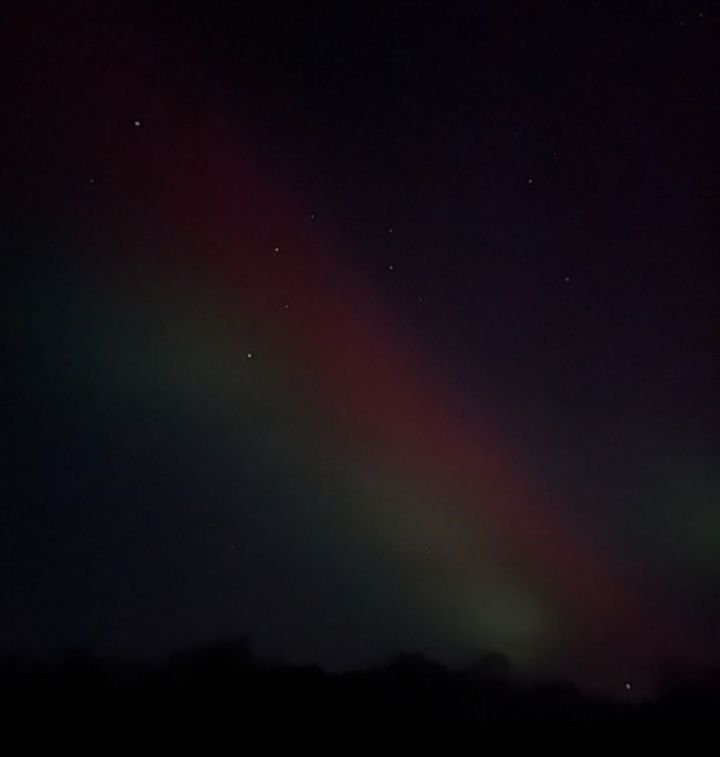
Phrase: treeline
{"type": "Point", "coordinates": [224, 688]}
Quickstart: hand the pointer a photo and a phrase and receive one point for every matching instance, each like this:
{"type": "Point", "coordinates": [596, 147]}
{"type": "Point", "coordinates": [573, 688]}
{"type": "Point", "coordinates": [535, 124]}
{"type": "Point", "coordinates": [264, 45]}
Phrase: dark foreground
{"type": "Point", "coordinates": [222, 692]}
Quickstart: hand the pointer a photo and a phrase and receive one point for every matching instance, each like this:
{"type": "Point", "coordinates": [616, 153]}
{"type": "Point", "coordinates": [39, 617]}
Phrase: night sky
{"type": "Point", "coordinates": [363, 327]}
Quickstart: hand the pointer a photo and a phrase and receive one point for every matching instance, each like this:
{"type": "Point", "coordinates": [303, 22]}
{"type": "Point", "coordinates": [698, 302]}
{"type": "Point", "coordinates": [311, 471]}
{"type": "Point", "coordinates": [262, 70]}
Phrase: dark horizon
{"type": "Point", "coordinates": [225, 688]}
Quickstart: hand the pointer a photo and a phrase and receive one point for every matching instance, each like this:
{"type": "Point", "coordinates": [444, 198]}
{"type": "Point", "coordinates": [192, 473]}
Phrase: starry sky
{"type": "Point", "coordinates": [360, 328]}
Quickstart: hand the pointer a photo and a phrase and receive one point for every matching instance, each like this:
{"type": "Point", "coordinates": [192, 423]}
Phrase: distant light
{"type": "Point", "coordinates": [249, 355]}
{"type": "Point", "coordinates": [276, 249]}
{"type": "Point", "coordinates": [567, 279]}
{"type": "Point", "coordinates": [136, 123]}
{"type": "Point", "coordinates": [391, 267]}
{"type": "Point", "coordinates": [312, 216]}
{"type": "Point", "coordinates": [390, 230]}
{"type": "Point", "coordinates": [628, 686]}
{"type": "Point", "coordinates": [92, 181]}
{"type": "Point", "coordinates": [530, 181]}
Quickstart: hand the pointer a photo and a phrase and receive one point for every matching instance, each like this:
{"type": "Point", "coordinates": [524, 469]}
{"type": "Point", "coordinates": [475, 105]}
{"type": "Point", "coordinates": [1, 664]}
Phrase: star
{"type": "Point", "coordinates": [628, 686]}
{"type": "Point", "coordinates": [136, 123]}
{"type": "Point", "coordinates": [91, 180]}
{"type": "Point", "coordinates": [530, 181]}
{"type": "Point", "coordinates": [249, 355]}
{"type": "Point", "coordinates": [390, 230]}
{"type": "Point", "coordinates": [391, 267]}
{"type": "Point", "coordinates": [312, 216]}
{"type": "Point", "coordinates": [567, 279]}
{"type": "Point", "coordinates": [276, 249]}
{"type": "Point", "coordinates": [286, 306]}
